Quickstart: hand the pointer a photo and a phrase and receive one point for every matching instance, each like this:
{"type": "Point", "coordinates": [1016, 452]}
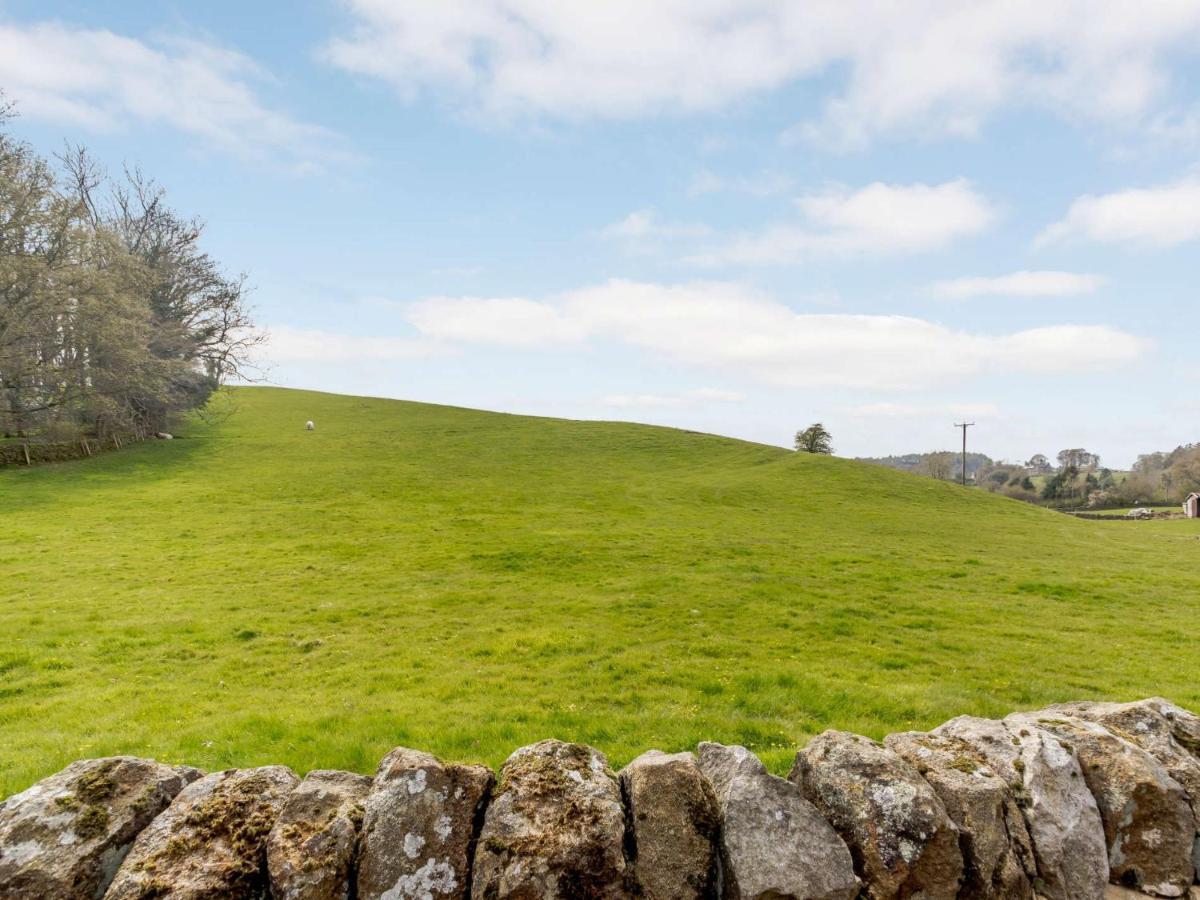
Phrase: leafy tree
{"type": "Point", "coordinates": [1150, 463]}
{"type": "Point", "coordinates": [814, 439]}
{"type": "Point", "coordinates": [1056, 486]}
{"type": "Point", "coordinates": [40, 275]}
{"type": "Point", "coordinates": [111, 316]}
{"type": "Point", "coordinates": [1038, 464]}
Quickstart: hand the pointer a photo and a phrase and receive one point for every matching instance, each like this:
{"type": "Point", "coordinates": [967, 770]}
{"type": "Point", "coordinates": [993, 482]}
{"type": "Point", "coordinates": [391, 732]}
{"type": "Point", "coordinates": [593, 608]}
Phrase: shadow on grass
{"type": "Point", "coordinates": [135, 464]}
{"type": "Point", "coordinates": [151, 461]}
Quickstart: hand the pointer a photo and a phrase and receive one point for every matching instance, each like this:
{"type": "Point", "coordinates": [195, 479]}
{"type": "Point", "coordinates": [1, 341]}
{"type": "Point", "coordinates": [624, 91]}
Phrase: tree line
{"type": "Point", "coordinates": [1074, 478]}
{"type": "Point", "coordinates": [112, 317]}
{"type": "Point", "coordinates": [1168, 476]}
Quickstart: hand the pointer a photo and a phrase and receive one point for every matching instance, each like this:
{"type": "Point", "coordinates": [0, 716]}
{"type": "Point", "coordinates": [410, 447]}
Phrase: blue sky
{"type": "Point", "coordinates": [734, 217]}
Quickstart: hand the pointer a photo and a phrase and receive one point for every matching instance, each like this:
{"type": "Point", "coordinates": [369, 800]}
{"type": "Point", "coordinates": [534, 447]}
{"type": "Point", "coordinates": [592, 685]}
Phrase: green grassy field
{"type": "Point", "coordinates": [466, 582]}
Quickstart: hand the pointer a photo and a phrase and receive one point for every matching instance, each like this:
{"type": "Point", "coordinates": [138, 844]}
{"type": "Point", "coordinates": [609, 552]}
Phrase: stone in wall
{"type": "Point", "coordinates": [1148, 823]}
{"type": "Point", "coordinates": [66, 836]}
{"type": "Point", "coordinates": [555, 829]}
{"type": "Point", "coordinates": [559, 826]}
{"type": "Point", "coordinates": [903, 842]}
{"type": "Point", "coordinates": [210, 842]}
{"type": "Point", "coordinates": [419, 828]}
{"type": "Point", "coordinates": [1185, 725]}
{"type": "Point", "coordinates": [997, 851]}
{"type": "Point", "coordinates": [311, 849]}
{"type": "Point", "coordinates": [1165, 731]}
{"type": "Point", "coordinates": [774, 843]}
{"type": "Point", "coordinates": [1116, 892]}
{"type": "Point", "coordinates": [674, 824]}
{"type": "Point", "coordinates": [1060, 812]}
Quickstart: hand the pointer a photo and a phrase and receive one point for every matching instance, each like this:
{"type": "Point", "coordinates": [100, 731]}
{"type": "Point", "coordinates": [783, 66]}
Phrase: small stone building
{"type": "Point", "coordinates": [1191, 506]}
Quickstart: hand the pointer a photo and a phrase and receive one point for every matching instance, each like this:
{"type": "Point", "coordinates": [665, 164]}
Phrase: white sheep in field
{"type": "Point", "coordinates": [309, 426]}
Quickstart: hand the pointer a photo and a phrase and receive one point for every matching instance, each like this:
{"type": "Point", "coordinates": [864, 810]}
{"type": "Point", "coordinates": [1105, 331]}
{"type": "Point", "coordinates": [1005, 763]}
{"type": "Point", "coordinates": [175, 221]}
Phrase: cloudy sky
{"type": "Point", "coordinates": [737, 217]}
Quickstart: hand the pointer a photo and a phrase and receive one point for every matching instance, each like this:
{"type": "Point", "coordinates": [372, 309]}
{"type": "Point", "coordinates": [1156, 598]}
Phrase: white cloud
{"type": "Point", "coordinates": [687, 398]}
{"type": "Point", "coordinates": [1180, 127]}
{"type": "Point", "coordinates": [877, 219]}
{"type": "Point", "coordinates": [923, 410]}
{"type": "Point", "coordinates": [286, 344]}
{"type": "Point", "coordinates": [727, 327]}
{"type": "Point", "coordinates": [1059, 349]}
{"type": "Point", "coordinates": [935, 67]}
{"type": "Point", "coordinates": [1019, 284]}
{"type": "Point", "coordinates": [644, 224]}
{"type": "Point", "coordinates": [1160, 216]}
{"type": "Point", "coordinates": [508, 321]}
{"type": "Point", "coordinates": [762, 184]}
{"type": "Point", "coordinates": [100, 80]}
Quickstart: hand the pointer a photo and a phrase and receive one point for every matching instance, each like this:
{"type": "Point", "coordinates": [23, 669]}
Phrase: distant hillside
{"type": "Point", "coordinates": [915, 462]}
{"type": "Point", "coordinates": [467, 582]}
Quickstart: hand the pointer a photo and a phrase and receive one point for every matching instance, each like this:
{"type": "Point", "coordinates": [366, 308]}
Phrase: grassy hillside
{"type": "Point", "coordinates": [465, 582]}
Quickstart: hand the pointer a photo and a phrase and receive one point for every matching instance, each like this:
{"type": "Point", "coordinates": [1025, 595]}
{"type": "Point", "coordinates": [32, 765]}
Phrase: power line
{"type": "Point", "coordinates": [964, 426]}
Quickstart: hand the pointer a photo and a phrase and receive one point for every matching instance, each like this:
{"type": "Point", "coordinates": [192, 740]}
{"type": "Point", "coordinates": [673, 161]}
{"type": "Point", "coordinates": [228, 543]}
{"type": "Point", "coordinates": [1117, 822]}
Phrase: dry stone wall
{"type": "Point", "coordinates": [32, 453]}
{"type": "Point", "coordinates": [1082, 801]}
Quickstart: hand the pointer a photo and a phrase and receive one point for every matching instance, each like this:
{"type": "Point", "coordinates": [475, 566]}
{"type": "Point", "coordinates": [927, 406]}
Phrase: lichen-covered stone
{"type": "Point", "coordinates": [1165, 731]}
{"type": "Point", "coordinates": [997, 852]}
{"type": "Point", "coordinates": [555, 829]}
{"type": "Point", "coordinates": [312, 845]}
{"type": "Point", "coordinates": [419, 828]}
{"type": "Point", "coordinates": [1185, 725]}
{"type": "Point", "coordinates": [210, 842]}
{"type": "Point", "coordinates": [1116, 892]}
{"type": "Point", "coordinates": [66, 836]}
{"type": "Point", "coordinates": [903, 842]}
{"type": "Point", "coordinates": [774, 843]}
{"type": "Point", "coordinates": [1148, 823]}
{"type": "Point", "coordinates": [674, 824]}
{"type": "Point", "coordinates": [1060, 812]}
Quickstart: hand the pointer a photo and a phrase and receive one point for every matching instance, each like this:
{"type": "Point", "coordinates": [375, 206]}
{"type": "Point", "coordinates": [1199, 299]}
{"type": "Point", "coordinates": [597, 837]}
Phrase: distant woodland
{"type": "Point", "coordinates": [1073, 478]}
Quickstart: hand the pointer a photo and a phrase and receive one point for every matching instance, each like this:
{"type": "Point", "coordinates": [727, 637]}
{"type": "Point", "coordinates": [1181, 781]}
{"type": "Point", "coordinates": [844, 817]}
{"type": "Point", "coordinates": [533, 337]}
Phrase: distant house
{"type": "Point", "coordinates": [1191, 506]}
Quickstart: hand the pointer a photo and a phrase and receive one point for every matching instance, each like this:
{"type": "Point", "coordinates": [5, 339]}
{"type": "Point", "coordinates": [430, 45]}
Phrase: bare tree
{"type": "Point", "coordinates": [939, 465]}
{"type": "Point", "coordinates": [1077, 458]}
{"type": "Point", "coordinates": [200, 323]}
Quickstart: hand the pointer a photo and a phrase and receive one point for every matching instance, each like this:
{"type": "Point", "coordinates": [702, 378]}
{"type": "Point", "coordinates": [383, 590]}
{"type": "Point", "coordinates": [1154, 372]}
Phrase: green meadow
{"type": "Point", "coordinates": [466, 582]}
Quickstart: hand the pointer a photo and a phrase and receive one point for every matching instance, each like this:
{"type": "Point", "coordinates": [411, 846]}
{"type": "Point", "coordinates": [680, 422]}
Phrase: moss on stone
{"type": "Point", "coordinates": [96, 785]}
{"type": "Point", "coordinates": [179, 845]}
{"type": "Point", "coordinates": [964, 764]}
{"type": "Point", "coordinates": [91, 822]}
{"type": "Point", "coordinates": [147, 801]}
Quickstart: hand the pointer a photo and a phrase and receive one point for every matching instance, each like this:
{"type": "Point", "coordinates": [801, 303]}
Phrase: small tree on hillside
{"type": "Point", "coordinates": [814, 439]}
{"type": "Point", "coordinates": [1039, 465]}
{"type": "Point", "coordinates": [938, 465]}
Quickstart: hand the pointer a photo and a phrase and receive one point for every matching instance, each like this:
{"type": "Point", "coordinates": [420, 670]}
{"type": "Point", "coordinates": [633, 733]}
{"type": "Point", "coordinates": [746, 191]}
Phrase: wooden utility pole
{"type": "Point", "coordinates": [964, 426]}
